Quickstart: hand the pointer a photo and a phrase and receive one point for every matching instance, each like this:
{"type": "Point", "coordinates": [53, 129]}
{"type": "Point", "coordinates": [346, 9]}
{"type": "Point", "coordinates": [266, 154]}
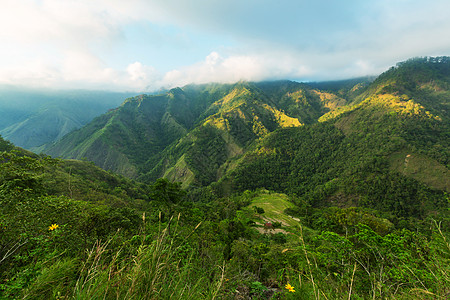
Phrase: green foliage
{"type": "Point", "coordinates": [27, 211]}
{"type": "Point", "coordinates": [166, 191]}
{"type": "Point", "coordinates": [323, 163]}
{"type": "Point", "coordinates": [258, 210]}
{"type": "Point", "coordinates": [5, 145]}
{"type": "Point", "coordinates": [207, 125]}
{"type": "Point", "coordinates": [209, 251]}
{"type": "Point", "coordinates": [382, 264]}
{"type": "Point", "coordinates": [257, 289]}
{"type": "Point", "coordinates": [354, 225]}
{"type": "Point", "coordinates": [53, 280]}
{"type": "Point", "coordinates": [164, 268]}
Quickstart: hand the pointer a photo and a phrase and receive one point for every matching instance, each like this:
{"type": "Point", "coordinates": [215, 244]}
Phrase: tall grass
{"type": "Point", "coordinates": [426, 275]}
{"type": "Point", "coordinates": [160, 266]}
{"type": "Point", "coordinates": [160, 269]}
{"type": "Point", "coordinates": [156, 271]}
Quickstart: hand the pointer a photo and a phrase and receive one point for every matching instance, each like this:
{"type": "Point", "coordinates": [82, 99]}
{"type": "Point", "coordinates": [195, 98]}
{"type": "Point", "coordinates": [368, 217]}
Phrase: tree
{"type": "Point", "coordinates": [170, 193]}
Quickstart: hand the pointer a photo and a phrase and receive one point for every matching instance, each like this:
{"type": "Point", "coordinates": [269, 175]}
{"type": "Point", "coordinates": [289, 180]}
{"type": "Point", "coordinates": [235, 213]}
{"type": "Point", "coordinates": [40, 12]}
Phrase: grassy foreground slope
{"type": "Point", "coordinates": [71, 230]}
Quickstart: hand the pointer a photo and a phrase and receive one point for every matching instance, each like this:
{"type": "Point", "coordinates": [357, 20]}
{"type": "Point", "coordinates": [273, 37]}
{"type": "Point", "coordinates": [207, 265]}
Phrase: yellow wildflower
{"type": "Point", "coordinates": [289, 287]}
{"type": "Point", "coordinates": [53, 227]}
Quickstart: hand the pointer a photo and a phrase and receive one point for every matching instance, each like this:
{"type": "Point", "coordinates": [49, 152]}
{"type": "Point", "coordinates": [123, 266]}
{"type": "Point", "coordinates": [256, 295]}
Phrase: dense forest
{"type": "Point", "coordinates": [271, 190]}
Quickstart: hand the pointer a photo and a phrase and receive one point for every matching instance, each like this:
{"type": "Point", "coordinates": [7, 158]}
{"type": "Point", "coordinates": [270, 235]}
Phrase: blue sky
{"type": "Point", "coordinates": [144, 45]}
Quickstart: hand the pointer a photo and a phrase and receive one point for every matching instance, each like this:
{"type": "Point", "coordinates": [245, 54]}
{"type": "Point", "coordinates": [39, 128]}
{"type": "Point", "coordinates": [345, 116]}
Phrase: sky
{"type": "Point", "coordinates": [147, 45]}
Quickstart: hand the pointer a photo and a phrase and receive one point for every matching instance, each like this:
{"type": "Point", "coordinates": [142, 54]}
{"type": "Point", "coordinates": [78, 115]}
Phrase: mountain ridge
{"type": "Point", "coordinates": [243, 111]}
{"type": "Point", "coordinates": [199, 134]}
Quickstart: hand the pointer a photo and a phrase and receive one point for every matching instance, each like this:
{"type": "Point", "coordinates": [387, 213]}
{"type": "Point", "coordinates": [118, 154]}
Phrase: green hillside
{"type": "Point", "coordinates": [273, 207]}
{"type": "Point", "coordinates": [124, 139]}
{"type": "Point", "coordinates": [389, 152]}
{"type": "Point", "coordinates": [353, 177]}
{"type": "Point", "coordinates": [371, 143]}
{"type": "Point", "coordinates": [43, 127]}
{"type": "Point", "coordinates": [72, 230]}
{"type": "Point", "coordinates": [190, 134]}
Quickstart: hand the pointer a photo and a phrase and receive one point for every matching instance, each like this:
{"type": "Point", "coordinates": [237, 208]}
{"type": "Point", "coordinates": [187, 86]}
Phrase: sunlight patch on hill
{"type": "Point", "coordinates": [274, 205]}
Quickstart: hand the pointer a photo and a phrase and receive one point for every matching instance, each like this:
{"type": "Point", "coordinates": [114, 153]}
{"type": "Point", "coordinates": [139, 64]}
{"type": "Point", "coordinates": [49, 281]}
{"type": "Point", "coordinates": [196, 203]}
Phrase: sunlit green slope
{"type": "Point", "coordinates": [388, 150]}
{"type": "Point", "coordinates": [190, 134]}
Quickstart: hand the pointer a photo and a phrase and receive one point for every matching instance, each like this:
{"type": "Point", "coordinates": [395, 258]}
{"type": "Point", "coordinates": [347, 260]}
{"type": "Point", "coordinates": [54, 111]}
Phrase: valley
{"type": "Point", "coordinates": [169, 195]}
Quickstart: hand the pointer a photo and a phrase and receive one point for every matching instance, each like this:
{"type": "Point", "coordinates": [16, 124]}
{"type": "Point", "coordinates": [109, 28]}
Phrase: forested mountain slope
{"type": "Point", "coordinates": [388, 150]}
{"type": "Point", "coordinates": [189, 133]}
{"type": "Point", "coordinates": [285, 136]}
{"type": "Point", "coordinates": [72, 230]}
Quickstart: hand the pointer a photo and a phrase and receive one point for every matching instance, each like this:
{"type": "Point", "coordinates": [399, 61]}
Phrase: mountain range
{"type": "Point", "coordinates": [200, 134]}
{"type": "Point", "coordinates": [154, 135]}
{"type": "Point", "coordinates": [268, 190]}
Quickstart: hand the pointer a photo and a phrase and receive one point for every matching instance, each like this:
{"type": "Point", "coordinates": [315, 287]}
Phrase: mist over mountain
{"type": "Point", "coordinates": [31, 118]}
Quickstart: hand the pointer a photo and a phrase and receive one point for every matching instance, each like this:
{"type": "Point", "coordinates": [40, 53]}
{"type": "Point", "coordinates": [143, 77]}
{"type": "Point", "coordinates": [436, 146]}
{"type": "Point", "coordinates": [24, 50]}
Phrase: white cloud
{"type": "Point", "coordinates": [82, 43]}
{"type": "Point", "coordinates": [213, 59]}
{"type": "Point", "coordinates": [57, 21]}
{"type": "Point", "coordinates": [136, 71]}
{"type": "Point", "coordinates": [215, 68]}
{"type": "Point", "coordinates": [35, 73]}
{"type": "Point", "coordinates": [141, 77]}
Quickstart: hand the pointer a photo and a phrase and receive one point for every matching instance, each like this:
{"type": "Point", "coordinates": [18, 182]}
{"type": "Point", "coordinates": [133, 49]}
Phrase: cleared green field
{"type": "Point", "coordinates": [274, 204]}
{"type": "Point", "coordinates": [421, 168]}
